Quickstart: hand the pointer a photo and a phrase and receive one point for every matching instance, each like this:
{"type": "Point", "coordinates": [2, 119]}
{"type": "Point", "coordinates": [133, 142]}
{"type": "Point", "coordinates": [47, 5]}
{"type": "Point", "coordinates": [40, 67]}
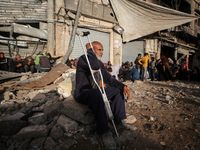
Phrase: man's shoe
{"type": "Point", "coordinates": [108, 141]}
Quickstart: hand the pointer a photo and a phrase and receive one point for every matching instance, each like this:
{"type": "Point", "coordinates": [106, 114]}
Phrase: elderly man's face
{"type": "Point", "coordinates": [98, 49]}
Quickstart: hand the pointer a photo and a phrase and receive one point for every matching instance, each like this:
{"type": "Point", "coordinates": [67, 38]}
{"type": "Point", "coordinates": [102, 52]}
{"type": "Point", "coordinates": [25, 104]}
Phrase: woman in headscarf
{"type": "Point", "coordinates": [167, 68]}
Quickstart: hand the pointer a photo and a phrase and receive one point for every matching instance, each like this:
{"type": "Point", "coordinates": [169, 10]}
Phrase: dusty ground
{"type": "Point", "coordinates": [168, 117]}
{"type": "Point", "coordinates": [167, 113]}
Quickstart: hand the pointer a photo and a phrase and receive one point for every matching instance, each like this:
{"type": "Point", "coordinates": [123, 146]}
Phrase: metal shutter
{"type": "Point", "coordinates": [131, 50]}
{"type": "Point", "coordinates": [102, 37]}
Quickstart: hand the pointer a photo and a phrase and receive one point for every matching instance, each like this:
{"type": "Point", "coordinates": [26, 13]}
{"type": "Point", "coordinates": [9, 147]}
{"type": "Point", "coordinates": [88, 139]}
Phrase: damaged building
{"type": "Point", "coordinates": [30, 26]}
{"type": "Point", "coordinates": [179, 42]}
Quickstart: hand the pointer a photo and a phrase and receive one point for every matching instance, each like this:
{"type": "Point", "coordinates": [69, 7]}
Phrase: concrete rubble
{"type": "Point", "coordinates": [50, 118]}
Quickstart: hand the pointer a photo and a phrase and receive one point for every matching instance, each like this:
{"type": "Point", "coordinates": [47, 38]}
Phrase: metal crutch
{"type": "Point", "coordinates": [103, 93]}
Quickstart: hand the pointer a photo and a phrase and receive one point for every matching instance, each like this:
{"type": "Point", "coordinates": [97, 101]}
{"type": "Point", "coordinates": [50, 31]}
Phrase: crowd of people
{"type": "Point", "coordinates": [43, 62]}
{"type": "Point", "coordinates": [163, 69]}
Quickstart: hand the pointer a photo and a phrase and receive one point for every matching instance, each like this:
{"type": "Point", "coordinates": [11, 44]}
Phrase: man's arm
{"type": "Point", "coordinates": [94, 61]}
{"type": "Point", "coordinates": [149, 56]}
{"type": "Point", "coordinates": [126, 92]}
{"type": "Point", "coordinates": [139, 61]}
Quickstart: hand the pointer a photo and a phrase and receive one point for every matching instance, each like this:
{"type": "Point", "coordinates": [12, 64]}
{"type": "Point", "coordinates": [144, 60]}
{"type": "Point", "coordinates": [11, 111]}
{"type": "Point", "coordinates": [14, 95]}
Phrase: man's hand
{"type": "Point", "coordinates": [88, 46]}
{"type": "Point", "coordinates": [19, 65]}
{"type": "Point", "coordinates": [126, 92]}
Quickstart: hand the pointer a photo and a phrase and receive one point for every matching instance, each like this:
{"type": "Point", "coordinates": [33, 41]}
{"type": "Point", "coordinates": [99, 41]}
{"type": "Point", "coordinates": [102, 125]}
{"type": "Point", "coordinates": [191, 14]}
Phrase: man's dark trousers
{"type": "Point", "coordinates": [94, 99]}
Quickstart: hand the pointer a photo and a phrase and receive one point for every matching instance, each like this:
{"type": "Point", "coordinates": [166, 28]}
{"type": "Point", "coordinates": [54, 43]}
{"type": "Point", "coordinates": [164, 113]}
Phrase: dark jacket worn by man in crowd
{"type": "Point", "coordinates": [88, 94]}
{"type": "Point", "coordinates": [3, 62]}
{"type": "Point", "coordinates": [138, 66]}
{"type": "Point", "coordinates": [134, 74]}
{"type": "Point", "coordinates": [29, 64]}
{"type": "Point", "coordinates": [18, 62]}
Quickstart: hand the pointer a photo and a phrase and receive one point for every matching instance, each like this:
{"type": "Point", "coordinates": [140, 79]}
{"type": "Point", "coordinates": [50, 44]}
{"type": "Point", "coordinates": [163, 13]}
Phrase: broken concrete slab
{"type": "Point", "coordinates": [52, 109]}
{"type": "Point", "coordinates": [49, 144]}
{"type": "Point", "coordinates": [77, 111]}
{"type": "Point", "coordinates": [34, 131]}
{"type": "Point", "coordinates": [37, 118]}
{"type": "Point", "coordinates": [12, 127]}
{"type": "Point", "coordinates": [37, 143]}
{"type": "Point", "coordinates": [70, 73]}
{"type": "Point", "coordinates": [36, 96]}
{"type": "Point", "coordinates": [16, 116]}
{"type": "Point", "coordinates": [56, 132]}
{"type": "Point", "coordinates": [130, 119]}
{"type": "Point", "coordinates": [67, 87]}
{"type": "Point", "coordinates": [66, 123]}
{"type": "Point", "coordinates": [9, 95]}
{"type": "Point", "coordinates": [6, 104]}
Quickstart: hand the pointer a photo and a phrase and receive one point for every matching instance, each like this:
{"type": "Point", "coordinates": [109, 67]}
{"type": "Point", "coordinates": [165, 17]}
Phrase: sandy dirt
{"type": "Point", "coordinates": [167, 113]}
{"type": "Point", "coordinates": [168, 117]}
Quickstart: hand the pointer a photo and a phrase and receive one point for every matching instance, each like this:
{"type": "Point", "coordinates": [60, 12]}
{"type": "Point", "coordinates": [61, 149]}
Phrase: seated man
{"type": "Point", "coordinates": [42, 63]}
{"type": "Point", "coordinates": [126, 74]}
{"type": "Point", "coordinates": [29, 64]}
{"type": "Point", "coordinates": [53, 60]}
{"type": "Point", "coordinates": [134, 74]}
{"type": "Point", "coordinates": [18, 63]}
{"type": "Point", "coordinates": [87, 93]}
{"type": "Point", "coordinates": [3, 62]}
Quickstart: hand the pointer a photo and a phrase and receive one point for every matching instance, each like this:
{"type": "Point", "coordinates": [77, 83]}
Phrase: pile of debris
{"type": "Point", "coordinates": [46, 118]}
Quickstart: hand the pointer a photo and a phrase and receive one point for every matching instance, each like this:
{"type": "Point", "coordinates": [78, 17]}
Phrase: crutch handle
{"type": "Point", "coordinates": [82, 33]}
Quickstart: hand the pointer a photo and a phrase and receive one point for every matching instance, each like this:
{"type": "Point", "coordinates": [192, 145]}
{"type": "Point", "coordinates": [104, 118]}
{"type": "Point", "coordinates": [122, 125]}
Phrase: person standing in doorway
{"type": "Point", "coordinates": [137, 65]}
{"type": "Point", "coordinates": [144, 62]}
{"type": "Point", "coordinates": [152, 67]}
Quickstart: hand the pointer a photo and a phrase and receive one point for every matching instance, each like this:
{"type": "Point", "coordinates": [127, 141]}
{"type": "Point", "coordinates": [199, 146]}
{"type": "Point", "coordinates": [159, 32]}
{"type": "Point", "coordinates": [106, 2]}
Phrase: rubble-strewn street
{"type": "Point", "coordinates": [161, 115]}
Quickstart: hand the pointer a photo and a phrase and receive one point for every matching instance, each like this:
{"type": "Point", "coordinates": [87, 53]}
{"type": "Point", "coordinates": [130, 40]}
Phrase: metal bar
{"type": "Point", "coordinates": [71, 43]}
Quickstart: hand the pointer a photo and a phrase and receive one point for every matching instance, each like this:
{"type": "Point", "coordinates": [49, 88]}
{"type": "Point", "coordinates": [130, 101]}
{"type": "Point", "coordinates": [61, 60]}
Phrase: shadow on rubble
{"type": "Point", "coordinates": [189, 101]}
{"type": "Point", "coordinates": [127, 140]}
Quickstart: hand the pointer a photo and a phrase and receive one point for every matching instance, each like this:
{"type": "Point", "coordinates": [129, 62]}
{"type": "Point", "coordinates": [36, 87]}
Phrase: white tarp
{"type": "Point", "coordinates": [139, 18]}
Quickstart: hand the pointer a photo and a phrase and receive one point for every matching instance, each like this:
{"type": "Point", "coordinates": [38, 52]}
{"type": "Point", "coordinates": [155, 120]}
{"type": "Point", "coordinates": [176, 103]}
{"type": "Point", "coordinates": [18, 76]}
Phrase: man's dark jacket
{"type": "Point", "coordinates": [83, 75]}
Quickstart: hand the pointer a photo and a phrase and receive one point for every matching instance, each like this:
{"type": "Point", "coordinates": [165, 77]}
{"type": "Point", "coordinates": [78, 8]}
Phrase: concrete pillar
{"type": "Point", "coordinates": [194, 60]}
{"type": "Point", "coordinates": [158, 50]}
{"type": "Point", "coordinates": [117, 49]}
{"type": "Point", "coordinates": [50, 27]}
{"type": "Point", "coordinates": [111, 47]}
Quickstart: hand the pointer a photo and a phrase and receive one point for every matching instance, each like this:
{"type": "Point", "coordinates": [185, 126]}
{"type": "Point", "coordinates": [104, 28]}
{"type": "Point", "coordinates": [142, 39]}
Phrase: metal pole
{"type": "Point", "coordinates": [71, 43]}
{"type": "Point", "coordinates": [50, 29]}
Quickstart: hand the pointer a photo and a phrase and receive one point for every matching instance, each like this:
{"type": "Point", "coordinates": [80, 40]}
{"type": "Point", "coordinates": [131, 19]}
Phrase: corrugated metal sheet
{"type": "Point", "coordinates": [102, 37]}
{"type": "Point", "coordinates": [131, 50]}
{"type": "Point", "coordinates": [22, 10]}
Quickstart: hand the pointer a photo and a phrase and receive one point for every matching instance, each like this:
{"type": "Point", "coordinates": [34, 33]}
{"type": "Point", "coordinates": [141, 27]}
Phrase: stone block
{"type": "Point", "coordinates": [130, 119]}
{"type": "Point", "coordinates": [16, 116]}
{"type": "Point", "coordinates": [52, 109]}
{"type": "Point", "coordinates": [8, 128]}
{"type": "Point", "coordinates": [77, 111]}
{"type": "Point", "coordinates": [49, 144]}
{"type": "Point", "coordinates": [34, 131]}
{"type": "Point", "coordinates": [36, 96]}
{"type": "Point", "coordinates": [66, 123]}
{"type": "Point", "coordinates": [37, 143]}
{"type": "Point", "coordinates": [56, 132]}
